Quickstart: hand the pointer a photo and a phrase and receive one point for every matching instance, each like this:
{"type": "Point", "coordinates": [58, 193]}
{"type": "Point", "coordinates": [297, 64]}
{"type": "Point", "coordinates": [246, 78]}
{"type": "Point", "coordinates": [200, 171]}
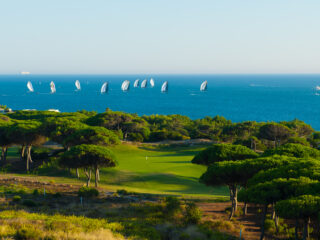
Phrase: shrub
{"type": "Point", "coordinates": [269, 225]}
{"type": "Point", "coordinates": [35, 192]}
{"type": "Point", "coordinates": [88, 192]}
{"type": "Point", "coordinates": [122, 192]}
{"type": "Point", "coordinates": [172, 206]}
{"type": "Point", "coordinates": [193, 214]}
{"type": "Point", "coordinates": [16, 198]}
{"type": "Point", "coordinates": [29, 233]}
{"type": "Point", "coordinates": [29, 203]}
{"type": "Point", "coordinates": [57, 195]}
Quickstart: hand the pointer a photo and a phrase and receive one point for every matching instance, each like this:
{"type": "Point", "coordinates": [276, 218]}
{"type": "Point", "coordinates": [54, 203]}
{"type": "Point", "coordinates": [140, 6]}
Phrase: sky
{"type": "Point", "coordinates": [159, 36]}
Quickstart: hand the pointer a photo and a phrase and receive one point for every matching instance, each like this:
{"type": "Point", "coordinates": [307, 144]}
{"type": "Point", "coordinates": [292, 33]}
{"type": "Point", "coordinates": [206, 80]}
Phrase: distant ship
{"type": "Point", "coordinates": [164, 87]}
{"type": "Point", "coordinates": [52, 87]}
{"type": "Point", "coordinates": [125, 85]}
{"type": "Point", "coordinates": [24, 73]}
{"type": "Point", "coordinates": [104, 87]}
{"type": "Point", "coordinates": [136, 83]}
{"type": "Point", "coordinates": [144, 83]}
{"type": "Point", "coordinates": [151, 82]}
{"type": "Point", "coordinates": [30, 87]}
{"type": "Point", "coordinates": [203, 86]}
{"type": "Point", "coordinates": [78, 86]}
{"type": "Point", "coordinates": [318, 88]}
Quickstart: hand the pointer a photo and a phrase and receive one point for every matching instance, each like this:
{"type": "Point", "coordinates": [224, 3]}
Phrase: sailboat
{"type": "Point", "coordinates": [78, 86]}
{"type": "Point", "coordinates": [144, 83]}
{"type": "Point", "coordinates": [52, 87]}
{"type": "Point", "coordinates": [104, 87]}
{"type": "Point", "coordinates": [151, 82]}
{"type": "Point", "coordinates": [136, 83]}
{"type": "Point", "coordinates": [125, 85]}
{"type": "Point", "coordinates": [203, 86]}
{"type": "Point", "coordinates": [318, 87]}
{"type": "Point", "coordinates": [164, 87]}
{"type": "Point", "coordinates": [30, 87]}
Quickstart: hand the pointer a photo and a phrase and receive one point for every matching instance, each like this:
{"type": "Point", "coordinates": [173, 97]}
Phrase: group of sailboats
{"type": "Point", "coordinates": [125, 86]}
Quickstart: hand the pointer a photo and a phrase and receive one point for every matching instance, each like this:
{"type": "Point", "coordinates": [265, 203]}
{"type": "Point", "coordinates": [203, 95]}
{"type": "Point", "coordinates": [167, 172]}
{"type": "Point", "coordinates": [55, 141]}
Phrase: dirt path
{"type": "Point", "coordinates": [250, 222]}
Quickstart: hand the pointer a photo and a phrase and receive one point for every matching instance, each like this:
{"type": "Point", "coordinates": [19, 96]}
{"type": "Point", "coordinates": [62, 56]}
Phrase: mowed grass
{"type": "Point", "coordinates": [155, 169]}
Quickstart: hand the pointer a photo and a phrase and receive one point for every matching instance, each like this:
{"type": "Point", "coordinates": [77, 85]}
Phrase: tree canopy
{"type": "Point", "coordinates": [223, 152]}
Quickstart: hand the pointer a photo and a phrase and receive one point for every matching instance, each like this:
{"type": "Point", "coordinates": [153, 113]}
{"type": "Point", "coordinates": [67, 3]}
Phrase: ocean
{"type": "Point", "coordinates": [236, 97]}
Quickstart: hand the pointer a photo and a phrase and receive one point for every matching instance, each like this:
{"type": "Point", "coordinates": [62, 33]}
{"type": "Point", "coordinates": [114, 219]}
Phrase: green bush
{"type": "Point", "coordinates": [29, 203]}
{"type": "Point", "coordinates": [269, 225]}
{"type": "Point", "coordinates": [57, 195]}
{"type": "Point", "coordinates": [172, 206]}
{"type": "Point", "coordinates": [29, 233]}
{"type": "Point", "coordinates": [122, 192]}
{"type": "Point", "coordinates": [16, 198]}
{"type": "Point", "coordinates": [35, 192]}
{"type": "Point", "coordinates": [193, 214]}
{"type": "Point", "coordinates": [88, 192]}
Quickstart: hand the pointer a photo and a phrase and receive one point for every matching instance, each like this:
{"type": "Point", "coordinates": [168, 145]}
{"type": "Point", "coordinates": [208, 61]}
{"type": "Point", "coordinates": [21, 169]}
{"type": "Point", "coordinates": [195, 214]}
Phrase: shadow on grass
{"type": "Point", "coordinates": [167, 183]}
{"type": "Point", "coordinates": [182, 148]}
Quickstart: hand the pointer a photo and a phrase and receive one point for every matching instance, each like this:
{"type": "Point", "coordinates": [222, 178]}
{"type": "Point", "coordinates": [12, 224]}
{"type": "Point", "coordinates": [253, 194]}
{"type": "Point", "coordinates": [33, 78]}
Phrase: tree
{"type": "Point", "coordinates": [60, 128]}
{"type": "Point", "coordinates": [296, 168]}
{"type": "Point", "coordinates": [294, 150]}
{"type": "Point", "coordinates": [275, 132]}
{"type": "Point", "coordinates": [276, 190]}
{"type": "Point", "coordinates": [302, 207]}
{"type": "Point", "coordinates": [236, 174]}
{"type": "Point", "coordinates": [27, 133]}
{"type": "Point", "coordinates": [92, 135]}
{"type": "Point", "coordinates": [299, 127]}
{"type": "Point", "coordinates": [88, 157]}
{"type": "Point", "coordinates": [5, 140]}
{"type": "Point", "coordinates": [223, 152]}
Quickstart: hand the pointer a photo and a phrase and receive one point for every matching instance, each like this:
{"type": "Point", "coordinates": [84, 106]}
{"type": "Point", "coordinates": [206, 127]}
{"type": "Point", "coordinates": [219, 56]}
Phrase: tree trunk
{"type": "Point", "coordinates": [306, 229]}
{"type": "Point", "coordinates": [245, 209]}
{"type": "Point", "coordinates": [273, 215]}
{"type": "Point", "coordinates": [296, 234]}
{"type": "Point", "coordinates": [77, 171]}
{"type": "Point", "coordinates": [23, 148]}
{"type": "Point", "coordinates": [96, 177]}
{"type": "Point", "coordinates": [5, 154]}
{"type": "Point", "coordinates": [2, 153]}
{"type": "Point", "coordinates": [29, 160]}
{"type": "Point", "coordinates": [234, 202]}
{"type": "Point", "coordinates": [265, 208]}
{"type": "Point", "coordinates": [276, 223]}
{"type": "Point", "coordinates": [88, 175]}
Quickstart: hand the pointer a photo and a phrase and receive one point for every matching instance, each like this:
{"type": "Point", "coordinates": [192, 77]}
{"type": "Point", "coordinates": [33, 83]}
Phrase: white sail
{"type": "Point", "coordinates": [144, 83]}
{"type": "Point", "coordinates": [125, 85]}
{"type": "Point", "coordinates": [136, 83]}
{"type": "Point", "coordinates": [203, 86]}
{"type": "Point", "coordinates": [151, 82]}
{"type": "Point", "coordinates": [104, 87]}
{"type": "Point", "coordinates": [30, 87]}
{"type": "Point", "coordinates": [52, 87]}
{"type": "Point", "coordinates": [317, 87]}
{"type": "Point", "coordinates": [164, 87]}
{"type": "Point", "coordinates": [78, 86]}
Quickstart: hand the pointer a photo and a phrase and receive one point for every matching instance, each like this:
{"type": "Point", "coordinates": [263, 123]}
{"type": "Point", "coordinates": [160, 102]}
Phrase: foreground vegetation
{"type": "Point", "coordinates": [272, 167]}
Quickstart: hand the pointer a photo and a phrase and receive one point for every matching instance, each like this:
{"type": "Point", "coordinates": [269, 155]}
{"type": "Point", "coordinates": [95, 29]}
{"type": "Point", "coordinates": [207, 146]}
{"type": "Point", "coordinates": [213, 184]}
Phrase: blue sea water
{"type": "Point", "coordinates": [236, 97]}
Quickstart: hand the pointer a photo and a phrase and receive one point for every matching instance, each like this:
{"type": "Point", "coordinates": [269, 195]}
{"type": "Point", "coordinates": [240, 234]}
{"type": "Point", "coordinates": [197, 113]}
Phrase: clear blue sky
{"type": "Point", "coordinates": [160, 36]}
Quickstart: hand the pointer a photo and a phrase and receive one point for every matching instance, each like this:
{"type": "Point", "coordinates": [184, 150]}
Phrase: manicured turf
{"type": "Point", "coordinates": [159, 170]}
{"type": "Point", "coordinates": [155, 169]}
